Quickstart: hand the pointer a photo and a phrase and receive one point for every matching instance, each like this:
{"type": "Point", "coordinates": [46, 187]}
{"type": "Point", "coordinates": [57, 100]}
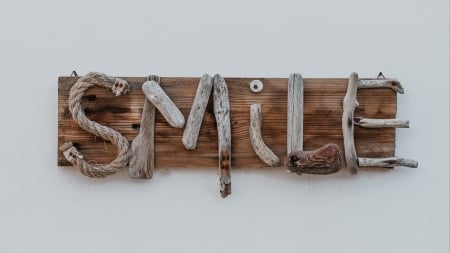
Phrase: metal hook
{"type": "Point", "coordinates": [153, 78]}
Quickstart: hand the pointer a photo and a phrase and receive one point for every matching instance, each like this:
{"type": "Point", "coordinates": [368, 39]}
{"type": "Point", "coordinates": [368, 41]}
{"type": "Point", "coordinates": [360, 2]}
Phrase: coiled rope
{"type": "Point", "coordinates": [118, 87]}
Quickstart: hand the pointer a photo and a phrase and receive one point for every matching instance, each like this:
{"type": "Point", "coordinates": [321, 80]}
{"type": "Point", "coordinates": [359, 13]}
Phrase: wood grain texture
{"type": "Point", "coordinates": [163, 103]}
{"type": "Point", "coordinates": [222, 113]}
{"type": "Point", "coordinates": [380, 123]}
{"type": "Point", "coordinates": [194, 121]}
{"type": "Point", "coordinates": [349, 104]}
{"type": "Point", "coordinates": [142, 155]}
{"type": "Point", "coordinates": [322, 161]}
{"type": "Point", "coordinates": [322, 120]}
{"type": "Point", "coordinates": [295, 113]}
{"type": "Point", "coordinates": [381, 83]}
{"type": "Point", "coordinates": [388, 162]}
{"type": "Point", "coordinates": [261, 149]}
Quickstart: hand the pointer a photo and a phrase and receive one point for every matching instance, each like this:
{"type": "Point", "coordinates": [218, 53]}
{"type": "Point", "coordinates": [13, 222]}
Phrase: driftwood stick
{"type": "Point", "coordinates": [143, 147]}
{"type": "Point", "coordinates": [349, 104]}
{"type": "Point", "coordinates": [261, 149]}
{"type": "Point", "coordinates": [323, 161]}
{"type": "Point", "coordinates": [142, 158]}
{"type": "Point", "coordinates": [194, 121]}
{"type": "Point", "coordinates": [388, 162]}
{"type": "Point", "coordinates": [381, 83]}
{"type": "Point", "coordinates": [295, 113]}
{"type": "Point", "coordinates": [380, 123]}
{"type": "Point", "coordinates": [163, 103]}
{"type": "Point", "coordinates": [222, 114]}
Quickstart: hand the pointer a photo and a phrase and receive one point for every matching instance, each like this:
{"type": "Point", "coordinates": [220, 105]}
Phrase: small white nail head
{"type": "Point", "coordinates": [256, 86]}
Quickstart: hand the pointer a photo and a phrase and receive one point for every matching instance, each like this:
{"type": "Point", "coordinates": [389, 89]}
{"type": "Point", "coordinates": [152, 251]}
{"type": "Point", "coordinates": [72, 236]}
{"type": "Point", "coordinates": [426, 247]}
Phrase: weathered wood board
{"type": "Point", "coordinates": [322, 120]}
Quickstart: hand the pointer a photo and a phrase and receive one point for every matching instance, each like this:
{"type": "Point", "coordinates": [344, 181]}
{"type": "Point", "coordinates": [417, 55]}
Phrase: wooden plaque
{"type": "Point", "coordinates": [322, 120]}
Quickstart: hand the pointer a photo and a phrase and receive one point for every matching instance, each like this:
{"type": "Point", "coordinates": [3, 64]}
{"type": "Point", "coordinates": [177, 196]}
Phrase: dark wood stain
{"type": "Point", "coordinates": [89, 97]}
{"type": "Point", "coordinates": [99, 110]}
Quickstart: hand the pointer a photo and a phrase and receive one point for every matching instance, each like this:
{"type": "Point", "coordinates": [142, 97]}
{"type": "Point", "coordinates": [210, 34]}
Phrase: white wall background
{"type": "Point", "coordinates": [44, 208]}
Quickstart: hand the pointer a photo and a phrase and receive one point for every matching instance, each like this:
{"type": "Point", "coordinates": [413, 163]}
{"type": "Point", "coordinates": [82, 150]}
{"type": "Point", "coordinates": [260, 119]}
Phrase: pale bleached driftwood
{"type": "Point", "coordinates": [381, 123]}
{"type": "Point", "coordinates": [322, 161]}
{"type": "Point", "coordinates": [222, 115]}
{"type": "Point", "coordinates": [381, 83]}
{"type": "Point", "coordinates": [388, 162]}
{"type": "Point", "coordinates": [194, 121]}
{"type": "Point", "coordinates": [261, 149]}
{"type": "Point", "coordinates": [295, 113]}
{"type": "Point", "coordinates": [142, 157]}
{"type": "Point", "coordinates": [349, 104]}
{"type": "Point", "coordinates": [163, 103]}
{"type": "Point", "coordinates": [325, 160]}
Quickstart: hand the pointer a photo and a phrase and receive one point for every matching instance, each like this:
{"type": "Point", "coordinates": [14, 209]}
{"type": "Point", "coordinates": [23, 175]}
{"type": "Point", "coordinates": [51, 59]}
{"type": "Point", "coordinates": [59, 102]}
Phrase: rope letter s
{"type": "Point", "coordinates": [118, 87]}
